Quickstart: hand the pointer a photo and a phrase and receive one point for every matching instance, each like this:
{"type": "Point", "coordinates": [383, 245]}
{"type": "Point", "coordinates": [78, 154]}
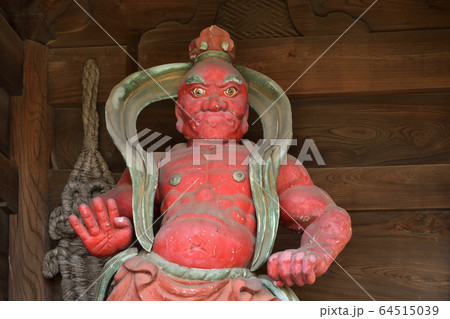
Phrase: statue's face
{"type": "Point", "coordinates": [213, 100]}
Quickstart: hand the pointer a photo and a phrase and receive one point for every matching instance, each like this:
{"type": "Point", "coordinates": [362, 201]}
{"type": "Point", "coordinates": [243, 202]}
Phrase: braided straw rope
{"type": "Point", "coordinates": [90, 177]}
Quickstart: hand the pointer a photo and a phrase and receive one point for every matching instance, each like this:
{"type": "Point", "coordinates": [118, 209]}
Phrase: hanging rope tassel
{"type": "Point", "coordinates": [89, 178]}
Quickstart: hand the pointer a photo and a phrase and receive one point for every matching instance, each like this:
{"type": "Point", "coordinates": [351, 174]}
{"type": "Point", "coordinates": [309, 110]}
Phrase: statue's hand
{"type": "Point", "coordinates": [297, 266]}
{"type": "Point", "coordinates": [107, 236]}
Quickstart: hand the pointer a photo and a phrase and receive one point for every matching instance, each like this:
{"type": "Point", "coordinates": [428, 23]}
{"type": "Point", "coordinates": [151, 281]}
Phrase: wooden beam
{"type": "Point", "coordinates": [379, 130]}
{"type": "Point", "coordinates": [9, 185]}
{"type": "Point", "coordinates": [307, 22]}
{"type": "Point", "coordinates": [386, 187]}
{"type": "Point", "coordinates": [334, 16]}
{"type": "Point", "coordinates": [4, 121]}
{"type": "Point", "coordinates": [374, 63]}
{"type": "Point", "coordinates": [31, 129]}
{"type": "Point", "coordinates": [11, 56]}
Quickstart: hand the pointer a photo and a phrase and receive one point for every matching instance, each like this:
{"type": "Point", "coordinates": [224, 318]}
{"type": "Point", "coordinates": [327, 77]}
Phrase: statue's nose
{"type": "Point", "coordinates": [214, 103]}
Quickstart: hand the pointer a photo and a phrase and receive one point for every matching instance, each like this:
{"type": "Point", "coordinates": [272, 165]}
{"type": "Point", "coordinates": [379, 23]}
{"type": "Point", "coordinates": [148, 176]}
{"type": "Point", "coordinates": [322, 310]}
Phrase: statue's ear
{"type": "Point", "coordinates": [244, 121]}
{"type": "Point", "coordinates": [244, 127]}
{"type": "Point", "coordinates": [180, 122]}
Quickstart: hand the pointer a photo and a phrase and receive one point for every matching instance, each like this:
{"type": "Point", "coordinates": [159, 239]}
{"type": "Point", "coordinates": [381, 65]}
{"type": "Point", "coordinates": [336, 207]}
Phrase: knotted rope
{"type": "Point", "coordinates": [89, 102]}
{"type": "Point", "coordinates": [89, 178]}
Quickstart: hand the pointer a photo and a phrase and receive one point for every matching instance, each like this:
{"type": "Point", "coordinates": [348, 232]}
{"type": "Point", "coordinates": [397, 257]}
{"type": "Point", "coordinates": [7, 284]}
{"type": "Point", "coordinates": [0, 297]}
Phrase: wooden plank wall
{"type": "Point", "coordinates": [376, 105]}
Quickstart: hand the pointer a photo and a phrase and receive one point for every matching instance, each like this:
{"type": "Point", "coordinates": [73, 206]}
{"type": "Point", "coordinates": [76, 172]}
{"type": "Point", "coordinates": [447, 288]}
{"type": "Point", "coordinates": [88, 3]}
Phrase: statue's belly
{"type": "Point", "coordinates": [209, 217]}
{"type": "Point", "coordinates": [204, 241]}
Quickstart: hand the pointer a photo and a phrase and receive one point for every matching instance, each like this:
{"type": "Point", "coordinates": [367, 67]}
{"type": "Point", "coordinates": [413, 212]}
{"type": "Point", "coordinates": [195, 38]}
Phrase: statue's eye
{"type": "Point", "coordinates": [198, 92]}
{"type": "Point", "coordinates": [230, 92]}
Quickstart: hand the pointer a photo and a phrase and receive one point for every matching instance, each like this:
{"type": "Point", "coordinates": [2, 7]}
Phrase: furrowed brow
{"type": "Point", "coordinates": [234, 78]}
{"type": "Point", "coordinates": [195, 79]}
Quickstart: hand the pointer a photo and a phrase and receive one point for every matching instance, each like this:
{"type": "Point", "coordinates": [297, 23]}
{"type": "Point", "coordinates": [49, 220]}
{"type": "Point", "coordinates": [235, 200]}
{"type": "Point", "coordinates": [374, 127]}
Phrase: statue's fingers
{"type": "Point", "coordinates": [321, 266]}
{"type": "Point", "coordinates": [272, 267]}
{"type": "Point", "coordinates": [284, 267]}
{"type": "Point", "coordinates": [309, 275]}
{"type": "Point", "coordinates": [102, 215]}
{"type": "Point", "coordinates": [297, 268]}
{"type": "Point", "coordinates": [78, 227]}
{"type": "Point", "coordinates": [89, 220]}
{"type": "Point", "coordinates": [112, 209]}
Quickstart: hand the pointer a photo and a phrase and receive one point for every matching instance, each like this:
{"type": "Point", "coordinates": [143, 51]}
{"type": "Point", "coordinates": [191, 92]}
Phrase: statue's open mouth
{"type": "Point", "coordinates": [202, 116]}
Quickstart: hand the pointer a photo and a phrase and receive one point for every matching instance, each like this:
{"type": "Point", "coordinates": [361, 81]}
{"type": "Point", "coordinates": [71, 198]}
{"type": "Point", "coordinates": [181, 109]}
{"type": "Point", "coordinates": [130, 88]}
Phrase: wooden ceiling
{"type": "Point", "coordinates": [62, 23]}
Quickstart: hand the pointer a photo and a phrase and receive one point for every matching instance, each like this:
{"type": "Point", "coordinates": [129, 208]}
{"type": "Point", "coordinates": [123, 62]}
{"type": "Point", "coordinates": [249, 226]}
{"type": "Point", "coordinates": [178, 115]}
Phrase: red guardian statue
{"type": "Point", "coordinates": [220, 214]}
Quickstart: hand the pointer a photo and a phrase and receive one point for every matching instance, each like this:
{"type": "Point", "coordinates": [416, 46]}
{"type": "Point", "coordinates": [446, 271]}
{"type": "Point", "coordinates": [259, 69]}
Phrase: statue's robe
{"type": "Point", "coordinates": [140, 278]}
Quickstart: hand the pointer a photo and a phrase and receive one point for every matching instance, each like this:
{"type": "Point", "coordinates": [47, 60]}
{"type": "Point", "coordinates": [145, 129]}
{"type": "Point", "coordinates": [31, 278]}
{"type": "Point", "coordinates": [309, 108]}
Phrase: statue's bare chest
{"type": "Point", "coordinates": [223, 167]}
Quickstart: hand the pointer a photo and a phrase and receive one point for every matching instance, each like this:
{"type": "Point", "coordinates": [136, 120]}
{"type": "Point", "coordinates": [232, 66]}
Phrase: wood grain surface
{"type": "Point", "coordinates": [386, 187]}
{"type": "Point", "coordinates": [374, 63]}
{"type": "Point", "coordinates": [375, 130]}
{"type": "Point", "coordinates": [31, 127]}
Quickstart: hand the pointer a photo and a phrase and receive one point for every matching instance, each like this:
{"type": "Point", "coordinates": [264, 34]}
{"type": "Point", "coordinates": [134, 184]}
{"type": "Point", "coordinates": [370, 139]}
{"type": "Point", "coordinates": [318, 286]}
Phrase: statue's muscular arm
{"type": "Point", "coordinates": [307, 209]}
